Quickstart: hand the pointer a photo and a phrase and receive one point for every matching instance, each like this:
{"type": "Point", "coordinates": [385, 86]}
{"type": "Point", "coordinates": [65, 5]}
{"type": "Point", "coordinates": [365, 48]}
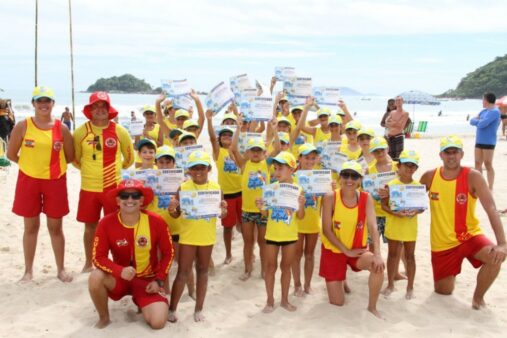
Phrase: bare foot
{"type": "Point", "coordinates": [27, 277]}
{"type": "Point", "coordinates": [298, 291]}
{"type": "Point", "coordinates": [477, 304]}
{"type": "Point", "coordinates": [245, 276]}
{"type": "Point", "coordinates": [400, 276]}
{"type": "Point", "coordinates": [410, 294]}
{"type": "Point", "coordinates": [171, 317]}
{"type": "Point", "coordinates": [308, 290]}
{"type": "Point", "coordinates": [228, 260]}
{"type": "Point", "coordinates": [289, 307]}
{"type": "Point", "coordinates": [268, 308]}
{"type": "Point", "coordinates": [198, 316]}
{"type": "Point", "coordinates": [375, 312]}
{"type": "Point", "coordinates": [64, 276]}
{"type": "Point", "coordinates": [102, 323]}
{"type": "Point", "coordinates": [388, 290]}
{"type": "Point", "coordinates": [346, 287]}
{"type": "Point", "coordinates": [87, 268]}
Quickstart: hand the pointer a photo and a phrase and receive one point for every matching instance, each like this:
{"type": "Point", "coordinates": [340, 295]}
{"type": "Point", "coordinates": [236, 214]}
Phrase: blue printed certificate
{"type": "Point", "coordinates": [315, 182]}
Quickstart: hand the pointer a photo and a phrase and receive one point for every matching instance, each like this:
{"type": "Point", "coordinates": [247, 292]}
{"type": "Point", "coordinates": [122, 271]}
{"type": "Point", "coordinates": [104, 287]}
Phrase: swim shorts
{"type": "Point", "coordinates": [137, 288]}
{"type": "Point", "coordinates": [333, 266]}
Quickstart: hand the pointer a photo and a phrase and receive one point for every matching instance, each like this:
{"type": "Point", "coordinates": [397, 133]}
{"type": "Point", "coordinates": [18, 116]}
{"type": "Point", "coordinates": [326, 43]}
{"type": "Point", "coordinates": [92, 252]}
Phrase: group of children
{"type": "Point", "coordinates": [348, 220]}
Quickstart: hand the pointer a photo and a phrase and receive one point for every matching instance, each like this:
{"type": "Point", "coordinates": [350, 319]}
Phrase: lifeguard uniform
{"type": "Point", "coordinates": [42, 183]}
{"type": "Point", "coordinates": [254, 177]}
{"type": "Point", "coordinates": [282, 226]}
{"type": "Point", "coordinates": [135, 246]}
{"type": "Point", "coordinates": [229, 179]}
{"type": "Point", "coordinates": [455, 231]}
{"type": "Point", "coordinates": [403, 229]}
{"type": "Point", "coordinates": [101, 153]}
{"type": "Point", "coordinates": [349, 226]}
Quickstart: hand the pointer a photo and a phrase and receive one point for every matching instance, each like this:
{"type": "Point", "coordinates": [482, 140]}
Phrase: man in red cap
{"type": "Point", "coordinates": [102, 148]}
{"type": "Point", "coordinates": [134, 238]}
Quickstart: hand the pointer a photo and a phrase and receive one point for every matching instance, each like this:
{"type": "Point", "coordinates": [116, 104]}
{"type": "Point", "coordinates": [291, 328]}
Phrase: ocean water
{"type": "Point", "coordinates": [367, 109]}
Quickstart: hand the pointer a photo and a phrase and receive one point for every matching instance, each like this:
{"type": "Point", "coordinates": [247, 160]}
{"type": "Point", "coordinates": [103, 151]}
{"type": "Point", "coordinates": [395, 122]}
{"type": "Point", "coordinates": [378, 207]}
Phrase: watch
{"type": "Point", "coordinates": [159, 282]}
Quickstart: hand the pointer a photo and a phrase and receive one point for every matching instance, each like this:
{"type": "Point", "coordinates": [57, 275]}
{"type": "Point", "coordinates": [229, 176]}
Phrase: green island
{"type": "Point", "coordinates": [491, 77]}
{"type": "Point", "coordinates": [127, 83]}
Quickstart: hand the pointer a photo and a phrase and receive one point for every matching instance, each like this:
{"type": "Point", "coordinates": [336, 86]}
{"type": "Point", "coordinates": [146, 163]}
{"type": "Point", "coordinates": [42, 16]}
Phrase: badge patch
{"type": "Point", "coordinates": [110, 142]}
{"type": "Point", "coordinates": [122, 242]}
{"type": "Point", "coordinates": [461, 198]}
{"type": "Point", "coordinates": [142, 241]}
{"type": "Point", "coordinates": [29, 143]}
{"type": "Point", "coordinates": [434, 196]}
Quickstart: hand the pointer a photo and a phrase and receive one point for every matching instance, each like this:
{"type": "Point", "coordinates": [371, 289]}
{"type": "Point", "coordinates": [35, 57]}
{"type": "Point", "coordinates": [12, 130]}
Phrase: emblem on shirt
{"type": "Point", "coordinates": [122, 242]}
{"type": "Point", "coordinates": [110, 142]}
{"type": "Point", "coordinates": [434, 196]}
{"type": "Point", "coordinates": [57, 146]}
{"type": "Point", "coordinates": [461, 198]}
{"type": "Point", "coordinates": [29, 143]}
{"type": "Point", "coordinates": [360, 225]}
{"type": "Point", "coordinates": [142, 241]}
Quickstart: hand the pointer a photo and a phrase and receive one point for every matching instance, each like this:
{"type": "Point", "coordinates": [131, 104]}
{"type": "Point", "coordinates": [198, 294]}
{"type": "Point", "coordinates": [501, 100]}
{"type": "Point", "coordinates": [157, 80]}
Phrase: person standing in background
{"type": "Point", "coordinates": [67, 118]}
{"type": "Point", "coordinates": [395, 124]}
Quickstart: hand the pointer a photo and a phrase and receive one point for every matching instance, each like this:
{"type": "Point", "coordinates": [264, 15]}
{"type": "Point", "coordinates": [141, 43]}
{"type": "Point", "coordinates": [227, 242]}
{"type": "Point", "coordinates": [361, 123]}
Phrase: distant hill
{"type": "Point", "coordinates": [491, 77]}
{"type": "Point", "coordinates": [126, 83]}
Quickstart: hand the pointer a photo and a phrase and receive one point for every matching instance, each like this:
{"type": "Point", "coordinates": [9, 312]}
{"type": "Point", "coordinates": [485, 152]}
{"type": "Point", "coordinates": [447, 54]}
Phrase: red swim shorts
{"type": "Point", "coordinates": [448, 262]}
{"type": "Point", "coordinates": [233, 211]}
{"type": "Point", "coordinates": [35, 195]}
{"type": "Point", "coordinates": [333, 266]}
{"type": "Point", "coordinates": [137, 288]}
{"type": "Point", "coordinates": [90, 205]}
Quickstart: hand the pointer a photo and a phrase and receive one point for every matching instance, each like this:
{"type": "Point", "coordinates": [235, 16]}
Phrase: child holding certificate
{"type": "Point", "coordinates": [198, 234]}
{"type": "Point", "coordinates": [254, 175]}
{"type": "Point", "coordinates": [401, 226]}
{"type": "Point", "coordinates": [281, 231]}
{"type": "Point", "coordinates": [351, 148]}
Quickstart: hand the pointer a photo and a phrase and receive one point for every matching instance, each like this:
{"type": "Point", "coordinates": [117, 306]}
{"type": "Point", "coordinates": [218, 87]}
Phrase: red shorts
{"type": "Point", "coordinates": [137, 288]}
{"type": "Point", "coordinates": [90, 205]}
{"type": "Point", "coordinates": [233, 212]}
{"type": "Point", "coordinates": [448, 262]}
{"type": "Point", "coordinates": [35, 195]}
{"type": "Point", "coordinates": [333, 266]}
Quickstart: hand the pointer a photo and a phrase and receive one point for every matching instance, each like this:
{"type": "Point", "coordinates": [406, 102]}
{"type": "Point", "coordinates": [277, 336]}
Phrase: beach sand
{"type": "Point", "coordinates": [47, 307]}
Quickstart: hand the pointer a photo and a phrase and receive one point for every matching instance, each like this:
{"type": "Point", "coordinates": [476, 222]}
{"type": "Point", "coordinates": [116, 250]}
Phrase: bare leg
{"type": "Point", "coordinates": [99, 283]}
{"type": "Point", "coordinates": [288, 255]}
{"type": "Point", "coordinates": [186, 259]}
{"type": "Point", "coordinates": [485, 278]}
{"type": "Point", "coordinates": [296, 266]}
{"type": "Point", "coordinates": [58, 244]}
{"type": "Point", "coordinates": [247, 231]}
{"type": "Point", "coordinates": [310, 244]}
{"type": "Point", "coordinates": [201, 269]}
{"type": "Point", "coordinates": [335, 293]}
{"type": "Point", "coordinates": [445, 286]}
{"type": "Point", "coordinates": [228, 245]}
{"type": "Point", "coordinates": [155, 315]}
{"type": "Point", "coordinates": [271, 252]}
{"type": "Point", "coordinates": [488, 163]}
{"type": "Point", "coordinates": [410, 258]}
{"type": "Point", "coordinates": [32, 225]}
{"type": "Point", "coordinates": [88, 236]}
{"type": "Point", "coordinates": [261, 232]}
{"type": "Point", "coordinates": [401, 254]}
{"type": "Point", "coordinates": [392, 264]}
{"type": "Point", "coordinates": [478, 159]}
{"type": "Point", "coordinates": [374, 282]}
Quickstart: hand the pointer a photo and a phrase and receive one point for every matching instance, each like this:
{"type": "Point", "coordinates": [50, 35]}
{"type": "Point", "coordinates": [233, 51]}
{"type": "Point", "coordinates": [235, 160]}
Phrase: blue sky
{"type": "Point", "coordinates": [382, 47]}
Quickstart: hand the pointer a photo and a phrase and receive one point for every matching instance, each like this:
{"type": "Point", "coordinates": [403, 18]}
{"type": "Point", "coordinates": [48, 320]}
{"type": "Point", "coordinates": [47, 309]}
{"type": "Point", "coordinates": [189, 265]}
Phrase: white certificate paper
{"type": "Point", "coordinates": [315, 182]}
{"type": "Point", "coordinates": [408, 197]}
{"type": "Point", "coordinates": [261, 109]}
{"type": "Point", "coordinates": [182, 154]}
{"type": "Point", "coordinates": [373, 182]}
{"type": "Point", "coordinates": [244, 139]}
{"type": "Point", "coordinates": [184, 102]}
{"type": "Point", "coordinates": [136, 128]}
{"type": "Point", "coordinates": [283, 73]}
{"type": "Point", "coordinates": [281, 195]}
{"type": "Point", "coordinates": [169, 180]}
{"type": "Point", "coordinates": [197, 204]}
{"type": "Point", "coordinates": [219, 97]}
{"type": "Point", "coordinates": [299, 86]}
{"type": "Point", "coordinates": [328, 96]}
{"type": "Point", "coordinates": [175, 88]}
{"type": "Point", "coordinates": [239, 83]}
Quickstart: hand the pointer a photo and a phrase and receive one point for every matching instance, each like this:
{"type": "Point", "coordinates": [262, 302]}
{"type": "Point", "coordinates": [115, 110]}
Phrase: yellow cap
{"type": "Point", "coordinates": [296, 108]}
{"type": "Point", "coordinates": [283, 119]}
{"type": "Point", "coordinates": [255, 143]}
{"type": "Point", "coordinates": [307, 148]}
{"type": "Point", "coordinates": [190, 123]}
{"type": "Point", "coordinates": [335, 119]}
{"type": "Point", "coordinates": [42, 91]}
{"type": "Point", "coordinates": [324, 112]}
{"type": "Point", "coordinates": [409, 156]}
{"type": "Point", "coordinates": [229, 116]}
{"type": "Point", "coordinates": [340, 112]}
{"type": "Point", "coordinates": [366, 131]}
{"type": "Point", "coordinates": [181, 113]}
{"type": "Point", "coordinates": [378, 143]}
{"type": "Point", "coordinates": [284, 157]}
{"type": "Point", "coordinates": [284, 137]}
{"type": "Point", "coordinates": [148, 108]}
{"type": "Point", "coordinates": [186, 134]}
{"type": "Point", "coordinates": [452, 141]}
{"type": "Point", "coordinates": [354, 124]}
{"type": "Point", "coordinates": [198, 157]}
{"type": "Point", "coordinates": [165, 151]}
{"type": "Point", "coordinates": [352, 165]}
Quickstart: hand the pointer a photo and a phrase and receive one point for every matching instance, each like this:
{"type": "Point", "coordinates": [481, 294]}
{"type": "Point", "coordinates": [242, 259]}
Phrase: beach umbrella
{"type": "Point", "coordinates": [501, 102]}
{"type": "Point", "coordinates": [414, 97]}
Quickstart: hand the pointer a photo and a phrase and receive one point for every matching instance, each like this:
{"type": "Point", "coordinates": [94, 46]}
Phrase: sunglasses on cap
{"type": "Point", "coordinates": [351, 175]}
{"type": "Point", "coordinates": [136, 195]}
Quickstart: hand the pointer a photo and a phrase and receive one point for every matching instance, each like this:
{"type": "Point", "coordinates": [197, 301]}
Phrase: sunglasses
{"type": "Point", "coordinates": [353, 176]}
{"type": "Point", "coordinates": [136, 195]}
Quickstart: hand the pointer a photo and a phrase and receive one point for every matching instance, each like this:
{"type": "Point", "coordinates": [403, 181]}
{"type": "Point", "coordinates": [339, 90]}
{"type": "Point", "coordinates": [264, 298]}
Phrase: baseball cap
{"type": "Point", "coordinates": [323, 112]}
{"type": "Point", "coordinates": [255, 143]}
{"type": "Point", "coordinates": [181, 113]}
{"type": "Point", "coordinates": [352, 165]}
{"type": "Point", "coordinates": [165, 151]}
{"type": "Point", "coordinates": [452, 141]}
{"type": "Point", "coordinates": [284, 137]}
{"type": "Point", "coordinates": [198, 157]}
{"type": "Point", "coordinates": [148, 108]}
{"type": "Point", "coordinates": [186, 134]}
{"type": "Point", "coordinates": [307, 148]}
{"type": "Point", "coordinates": [335, 119]}
{"type": "Point", "coordinates": [409, 156]}
{"type": "Point", "coordinates": [42, 91]}
{"type": "Point", "coordinates": [284, 157]}
{"type": "Point", "coordinates": [366, 131]}
{"type": "Point", "coordinates": [146, 141]}
{"type": "Point", "coordinates": [354, 124]}
{"type": "Point", "coordinates": [190, 123]}
{"type": "Point", "coordinates": [378, 143]}
{"type": "Point", "coordinates": [229, 116]}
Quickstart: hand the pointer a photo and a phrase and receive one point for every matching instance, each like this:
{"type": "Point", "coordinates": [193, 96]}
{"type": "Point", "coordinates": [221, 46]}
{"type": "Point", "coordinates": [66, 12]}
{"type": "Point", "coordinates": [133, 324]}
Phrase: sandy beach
{"type": "Point", "coordinates": [47, 307]}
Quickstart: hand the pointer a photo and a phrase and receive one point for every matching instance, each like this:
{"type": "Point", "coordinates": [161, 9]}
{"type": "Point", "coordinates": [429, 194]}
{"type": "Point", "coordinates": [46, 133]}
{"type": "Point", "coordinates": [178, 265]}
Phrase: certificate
{"type": "Point", "coordinates": [175, 88]}
{"type": "Point", "coordinates": [326, 95]}
{"type": "Point", "coordinates": [296, 100]}
{"type": "Point", "coordinates": [261, 109]}
{"type": "Point", "coordinates": [315, 182]}
{"type": "Point", "coordinates": [281, 195]}
{"type": "Point", "coordinates": [219, 97]}
{"type": "Point", "coordinates": [197, 204]}
{"type": "Point", "coordinates": [184, 102]}
{"type": "Point", "coordinates": [245, 101]}
{"type": "Point", "coordinates": [408, 197]}
{"type": "Point", "coordinates": [245, 137]}
{"type": "Point", "coordinates": [136, 128]}
{"type": "Point", "coordinates": [182, 154]}
{"type": "Point", "coordinates": [373, 182]}
{"type": "Point", "coordinates": [238, 84]}
{"type": "Point", "coordinates": [299, 86]}
{"type": "Point", "coordinates": [169, 180]}
{"type": "Point", "coordinates": [283, 73]}
{"type": "Point", "coordinates": [149, 177]}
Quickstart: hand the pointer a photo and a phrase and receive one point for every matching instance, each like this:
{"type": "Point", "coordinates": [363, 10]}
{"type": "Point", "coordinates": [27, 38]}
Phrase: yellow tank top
{"type": "Point", "coordinates": [321, 137]}
{"type": "Point", "coordinates": [372, 169]}
{"type": "Point", "coordinates": [453, 218]}
{"type": "Point", "coordinates": [229, 176]}
{"type": "Point", "coordinates": [41, 154]}
{"type": "Point", "coordinates": [254, 176]}
{"type": "Point", "coordinates": [352, 155]}
{"type": "Point", "coordinates": [200, 232]}
{"type": "Point", "coordinates": [402, 229]}
{"type": "Point", "coordinates": [282, 225]}
{"type": "Point", "coordinates": [310, 224]}
{"type": "Point", "coordinates": [163, 212]}
{"type": "Point", "coordinates": [345, 223]}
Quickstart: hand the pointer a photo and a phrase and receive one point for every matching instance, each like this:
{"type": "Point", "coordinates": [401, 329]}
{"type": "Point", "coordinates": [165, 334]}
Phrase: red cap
{"type": "Point", "coordinates": [99, 96]}
{"type": "Point", "coordinates": [131, 184]}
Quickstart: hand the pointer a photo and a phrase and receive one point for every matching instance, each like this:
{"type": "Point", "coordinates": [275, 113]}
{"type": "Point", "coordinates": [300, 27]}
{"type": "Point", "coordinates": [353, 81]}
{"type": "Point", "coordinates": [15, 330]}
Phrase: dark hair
{"type": "Point", "coordinates": [390, 101]}
{"type": "Point", "coordinates": [148, 145]}
{"type": "Point", "coordinates": [490, 97]}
